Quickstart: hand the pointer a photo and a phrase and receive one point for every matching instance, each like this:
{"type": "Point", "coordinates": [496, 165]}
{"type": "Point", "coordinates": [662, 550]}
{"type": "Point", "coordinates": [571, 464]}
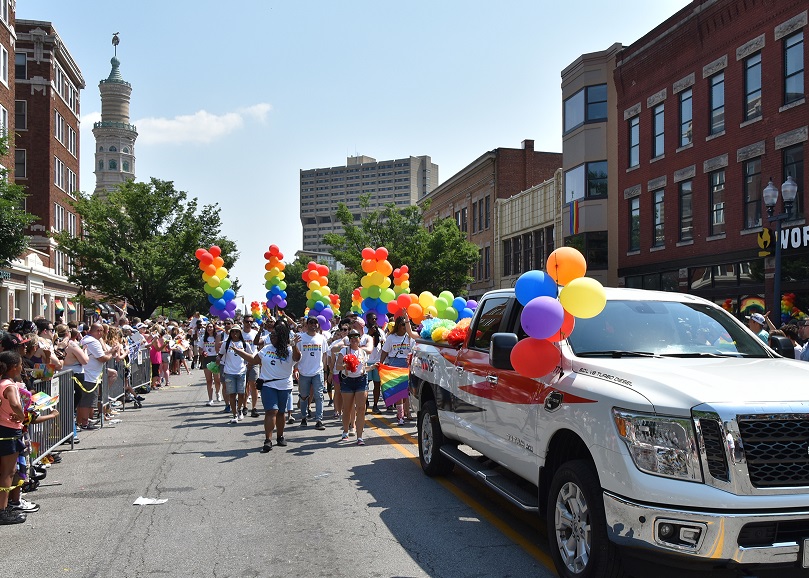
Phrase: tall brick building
{"type": "Point", "coordinates": [711, 104]}
{"type": "Point", "coordinates": [469, 197]}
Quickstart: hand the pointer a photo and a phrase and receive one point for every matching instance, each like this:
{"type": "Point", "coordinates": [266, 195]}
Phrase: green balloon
{"type": "Point", "coordinates": [310, 303]}
{"type": "Point", "coordinates": [207, 288]}
{"type": "Point", "coordinates": [282, 285]}
{"type": "Point", "coordinates": [316, 295]}
{"type": "Point", "coordinates": [447, 296]}
{"type": "Point", "coordinates": [268, 285]}
{"type": "Point", "coordinates": [217, 292]}
{"type": "Point", "coordinates": [374, 291]}
{"type": "Point", "coordinates": [273, 281]}
{"type": "Point", "coordinates": [448, 313]}
{"type": "Point", "coordinates": [225, 284]}
{"type": "Point", "coordinates": [387, 295]}
{"type": "Point", "coordinates": [441, 304]}
{"type": "Point", "coordinates": [364, 293]}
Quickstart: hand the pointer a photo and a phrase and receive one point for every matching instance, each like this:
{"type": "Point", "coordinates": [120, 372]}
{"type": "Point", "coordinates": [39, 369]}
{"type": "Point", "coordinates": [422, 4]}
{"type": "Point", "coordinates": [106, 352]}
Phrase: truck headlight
{"type": "Point", "coordinates": [660, 445]}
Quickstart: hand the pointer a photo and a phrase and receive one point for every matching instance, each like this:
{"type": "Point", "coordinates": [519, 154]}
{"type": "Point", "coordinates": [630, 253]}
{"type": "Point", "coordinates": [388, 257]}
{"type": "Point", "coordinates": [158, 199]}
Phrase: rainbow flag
{"type": "Point", "coordinates": [574, 218]}
{"type": "Point", "coordinates": [394, 383]}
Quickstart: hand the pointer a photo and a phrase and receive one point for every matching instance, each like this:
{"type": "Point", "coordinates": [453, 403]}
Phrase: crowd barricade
{"type": "Point", "coordinates": [49, 435]}
{"type": "Point", "coordinates": [139, 376]}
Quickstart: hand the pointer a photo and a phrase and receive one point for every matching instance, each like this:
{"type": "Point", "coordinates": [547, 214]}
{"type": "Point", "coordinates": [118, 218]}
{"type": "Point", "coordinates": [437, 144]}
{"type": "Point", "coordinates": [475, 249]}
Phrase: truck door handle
{"type": "Point", "coordinates": [492, 379]}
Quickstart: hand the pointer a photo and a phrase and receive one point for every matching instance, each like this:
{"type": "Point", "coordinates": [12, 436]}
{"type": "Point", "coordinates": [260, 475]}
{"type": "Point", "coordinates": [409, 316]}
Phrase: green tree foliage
{"type": "Point", "coordinates": [138, 244]}
{"type": "Point", "coordinates": [13, 218]}
{"type": "Point", "coordinates": [438, 260]}
{"type": "Point", "coordinates": [341, 282]}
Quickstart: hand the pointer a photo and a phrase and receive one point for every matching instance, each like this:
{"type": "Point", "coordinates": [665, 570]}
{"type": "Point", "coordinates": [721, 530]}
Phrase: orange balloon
{"type": "Point", "coordinates": [415, 311]}
{"type": "Point", "coordinates": [210, 270]}
{"type": "Point", "coordinates": [368, 265]}
{"type": "Point", "coordinates": [404, 277]}
{"type": "Point", "coordinates": [202, 266]}
{"type": "Point", "coordinates": [566, 264]}
{"type": "Point", "coordinates": [324, 281]}
{"type": "Point", "coordinates": [384, 267]}
{"type": "Point", "coordinates": [218, 261]}
{"type": "Point", "coordinates": [313, 275]}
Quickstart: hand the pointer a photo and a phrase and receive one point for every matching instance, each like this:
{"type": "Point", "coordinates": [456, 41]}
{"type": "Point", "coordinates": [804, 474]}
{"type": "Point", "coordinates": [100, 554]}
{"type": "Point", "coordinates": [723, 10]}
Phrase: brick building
{"type": "Point", "coordinates": [469, 197]}
{"type": "Point", "coordinates": [711, 104]}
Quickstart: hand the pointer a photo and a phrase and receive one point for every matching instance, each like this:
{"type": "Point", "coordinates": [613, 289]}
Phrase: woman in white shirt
{"type": "Point", "coordinates": [207, 346]}
{"type": "Point", "coordinates": [396, 352]}
{"type": "Point", "coordinates": [234, 370]}
{"type": "Point", "coordinates": [353, 385]}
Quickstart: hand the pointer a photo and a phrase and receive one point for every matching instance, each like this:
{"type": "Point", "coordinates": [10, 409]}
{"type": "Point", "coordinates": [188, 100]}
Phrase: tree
{"type": "Point", "coordinates": [13, 218]}
{"type": "Point", "coordinates": [438, 260]}
{"type": "Point", "coordinates": [138, 244]}
{"type": "Point", "coordinates": [341, 282]}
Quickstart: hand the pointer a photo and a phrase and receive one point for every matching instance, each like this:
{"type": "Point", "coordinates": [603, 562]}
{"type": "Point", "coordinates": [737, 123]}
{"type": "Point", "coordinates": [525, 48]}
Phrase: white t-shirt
{"type": "Point", "coordinates": [373, 357]}
{"type": "Point", "coordinates": [276, 372]}
{"type": "Point", "coordinates": [312, 348]}
{"type": "Point", "coordinates": [232, 362]}
{"type": "Point", "coordinates": [398, 347]}
{"type": "Point", "coordinates": [95, 350]}
{"type": "Point", "coordinates": [207, 345]}
{"type": "Point", "coordinates": [360, 354]}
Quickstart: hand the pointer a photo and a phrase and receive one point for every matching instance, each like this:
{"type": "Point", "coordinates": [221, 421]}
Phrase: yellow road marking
{"type": "Point", "coordinates": [484, 513]}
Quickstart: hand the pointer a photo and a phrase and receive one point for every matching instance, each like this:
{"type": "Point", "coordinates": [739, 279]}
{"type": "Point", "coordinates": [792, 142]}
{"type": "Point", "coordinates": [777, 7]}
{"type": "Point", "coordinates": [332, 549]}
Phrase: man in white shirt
{"type": "Point", "coordinates": [92, 374]}
{"type": "Point", "coordinates": [313, 347]}
{"type": "Point", "coordinates": [249, 334]}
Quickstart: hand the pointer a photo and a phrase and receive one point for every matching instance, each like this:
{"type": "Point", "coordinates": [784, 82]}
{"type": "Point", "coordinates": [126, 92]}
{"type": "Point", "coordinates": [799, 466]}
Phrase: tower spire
{"type": "Point", "coordinates": [115, 41]}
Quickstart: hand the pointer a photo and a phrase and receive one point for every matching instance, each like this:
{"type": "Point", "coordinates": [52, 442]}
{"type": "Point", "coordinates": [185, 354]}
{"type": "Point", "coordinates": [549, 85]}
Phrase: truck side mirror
{"type": "Point", "coordinates": [782, 346]}
{"type": "Point", "coordinates": [500, 350]}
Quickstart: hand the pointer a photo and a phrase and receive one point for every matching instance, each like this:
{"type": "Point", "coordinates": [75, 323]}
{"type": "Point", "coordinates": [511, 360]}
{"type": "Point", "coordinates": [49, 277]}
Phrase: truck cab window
{"type": "Point", "coordinates": [489, 321]}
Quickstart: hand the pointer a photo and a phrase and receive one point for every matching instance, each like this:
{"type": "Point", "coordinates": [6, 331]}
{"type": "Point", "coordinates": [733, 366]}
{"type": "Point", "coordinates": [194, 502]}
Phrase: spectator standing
{"type": "Point", "coordinates": [804, 333]}
{"type": "Point", "coordinates": [11, 418]}
{"type": "Point", "coordinates": [97, 357]}
{"type": "Point", "coordinates": [756, 323]}
{"type": "Point", "coordinates": [313, 348]}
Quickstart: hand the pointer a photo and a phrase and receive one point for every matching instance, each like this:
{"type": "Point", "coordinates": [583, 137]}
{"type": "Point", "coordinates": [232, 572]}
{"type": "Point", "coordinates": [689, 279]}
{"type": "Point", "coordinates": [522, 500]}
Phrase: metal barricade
{"type": "Point", "coordinates": [50, 434]}
{"type": "Point", "coordinates": [139, 375]}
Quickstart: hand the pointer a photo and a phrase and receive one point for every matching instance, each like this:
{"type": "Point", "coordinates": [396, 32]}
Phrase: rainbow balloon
{"type": "Point", "coordinates": [274, 278]}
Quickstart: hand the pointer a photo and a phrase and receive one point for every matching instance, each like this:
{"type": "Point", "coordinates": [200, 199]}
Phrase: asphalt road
{"type": "Point", "coordinates": [319, 507]}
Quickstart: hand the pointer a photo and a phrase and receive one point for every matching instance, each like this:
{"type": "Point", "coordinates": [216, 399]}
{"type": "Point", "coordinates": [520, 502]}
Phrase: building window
{"type": "Point", "coordinates": [487, 261]}
{"type": "Point", "coordinates": [717, 203]}
{"type": "Point", "coordinates": [487, 212]}
{"type": "Point", "coordinates": [597, 179]}
{"type": "Point", "coordinates": [113, 165]}
{"type": "Point", "coordinates": [752, 193]}
{"type": "Point", "coordinates": [475, 217]}
{"type": "Point", "coordinates": [4, 65]}
{"type": "Point", "coordinates": [658, 128]}
{"type": "Point", "coordinates": [20, 65]}
{"type": "Point", "coordinates": [634, 141]}
{"type": "Point", "coordinates": [113, 149]}
{"type": "Point", "coordinates": [20, 114]}
{"type": "Point", "coordinates": [718, 103]}
{"type": "Point", "coordinates": [686, 118]}
{"type": "Point", "coordinates": [593, 246]}
{"type": "Point", "coordinates": [793, 68]}
{"type": "Point", "coordinates": [506, 257]}
{"type": "Point", "coordinates": [58, 217]}
{"type": "Point", "coordinates": [19, 164]}
{"type": "Point", "coordinates": [527, 251]}
{"type": "Point", "coordinates": [587, 180]}
{"type": "Point", "coordinates": [461, 219]}
{"type": "Point", "coordinates": [3, 121]}
{"type": "Point", "coordinates": [59, 173]}
{"type": "Point", "coordinates": [59, 127]}
{"type": "Point", "coordinates": [659, 220]}
{"type": "Point", "coordinates": [587, 105]}
{"type": "Point", "coordinates": [793, 167]}
{"type": "Point", "coordinates": [634, 224]}
{"type": "Point", "coordinates": [686, 213]}
{"type": "Point", "coordinates": [539, 249]}
{"type": "Point", "coordinates": [125, 166]}
{"type": "Point", "coordinates": [100, 165]}
{"type": "Point", "coordinates": [752, 87]}
{"type": "Point", "coordinates": [516, 255]}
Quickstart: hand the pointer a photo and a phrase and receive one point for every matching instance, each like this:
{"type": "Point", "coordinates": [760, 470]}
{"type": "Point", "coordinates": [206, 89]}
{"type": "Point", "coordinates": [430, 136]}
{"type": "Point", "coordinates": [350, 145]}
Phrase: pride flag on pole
{"type": "Point", "coordinates": [394, 383]}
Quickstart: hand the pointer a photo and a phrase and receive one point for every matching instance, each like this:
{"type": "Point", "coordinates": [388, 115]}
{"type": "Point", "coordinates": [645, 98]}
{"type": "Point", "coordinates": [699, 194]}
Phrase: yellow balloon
{"type": "Point", "coordinates": [325, 290]}
{"type": "Point", "coordinates": [385, 282]}
{"type": "Point", "coordinates": [281, 275]}
{"type": "Point", "coordinates": [583, 297]}
{"type": "Point", "coordinates": [431, 310]}
{"type": "Point", "coordinates": [405, 285]}
{"type": "Point", "coordinates": [309, 294]}
{"type": "Point", "coordinates": [214, 281]}
{"type": "Point", "coordinates": [267, 276]}
{"type": "Point", "coordinates": [221, 272]}
{"type": "Point", "coordinates": [366, 281]}
{"type": "Point", "coordinates": [205, 277]}
{"type": "Point", "coordinates": [314, 285]}
{"type": "Point", "coordinates": [426, 299]}
{"type": "Point", "coordinates": [275, 271]}
{"type": "Point", "coordinates": [376, 278]}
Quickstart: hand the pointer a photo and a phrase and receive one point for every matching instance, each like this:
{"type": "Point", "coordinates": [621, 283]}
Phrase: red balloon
{"type": "Point", "coordinates": [368, 253]}
{"type": "Point", "coordinates": [206, 258]}
{"type": "Point", "coordinates": [199, 252]}
{"type": "Point", "coordinates": [273, 249]}
{"type": "Point", "coordinates": [396, 272]}
{"type": "Point", "coordinates": [311, 265]}
{"type": "Point", "coordinates": [381, 254]}
{"type": "Point", "coordinates": [322, 270]}
{"type": "Point", "coordinates": [403, 300]}
{"type": "Point", "coordinates": [215, 251]}
{"type": "Point", "coordinates": [393, 307]}
{"type": "Point", "coordinates": [267, 255]}
{"type": "Point", "coordinates": [404, 269]}
{"type": "Point", "coordinates": [567, 328]}
{"type": "Point", "coordinates": [280, 255]}
{"type": "Point", "coordinates": [535, 357]}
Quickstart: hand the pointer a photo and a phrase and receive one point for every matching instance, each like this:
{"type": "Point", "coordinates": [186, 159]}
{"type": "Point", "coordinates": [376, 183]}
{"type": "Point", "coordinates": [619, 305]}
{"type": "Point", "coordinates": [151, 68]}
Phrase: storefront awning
{"type": "Point", "coordinates": [58, 304]}
{"type": "Point", "coordinates": [70, 307]}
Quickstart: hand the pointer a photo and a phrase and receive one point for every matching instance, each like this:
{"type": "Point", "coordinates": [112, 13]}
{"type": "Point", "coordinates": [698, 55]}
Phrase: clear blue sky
{"type": "Point", "coordinates": [232, 99]}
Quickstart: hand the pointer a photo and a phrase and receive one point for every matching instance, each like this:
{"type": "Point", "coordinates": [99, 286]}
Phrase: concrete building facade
{"type": "Point", "coordinates": [399, 181]}
{"type": "Point", "coordinates": [469, 198]}
{"type": "Point", "coordinates": [711, 105]}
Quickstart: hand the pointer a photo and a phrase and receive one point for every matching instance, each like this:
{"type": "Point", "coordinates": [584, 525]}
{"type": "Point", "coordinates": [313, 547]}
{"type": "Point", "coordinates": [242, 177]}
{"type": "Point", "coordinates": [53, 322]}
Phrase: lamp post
{"type": "Point", "coordinates": [789, 190]}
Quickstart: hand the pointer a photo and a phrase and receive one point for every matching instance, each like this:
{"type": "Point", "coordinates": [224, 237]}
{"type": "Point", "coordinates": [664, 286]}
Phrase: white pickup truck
{"type": "Point", "coordinates": [669, 432]}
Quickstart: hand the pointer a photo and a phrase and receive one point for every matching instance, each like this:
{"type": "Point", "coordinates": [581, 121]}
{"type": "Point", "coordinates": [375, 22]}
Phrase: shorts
{"type": "Point", "coordinates": [178, 355]}
{"type": "Point", "coordinates": [155, 370]}
{"type": "Point", "coordinates": [275, 399]}
{"type": "Point", "coordinates": [13, 445]}
{"type": "Point", "coordinates": [234, 382]}
{"type": "Point", "coordinates": [252, 374]}
{"type": "Point", "coordinates": [164, 356]}
{"type": "Point", "coordinates": [353, 384]}
{"type": "Point", "coordinates": [76, 388]}
{"type": "Point", "coordinates": [372, 372]}
{"type": "Point", "coordinates": [88, 398]}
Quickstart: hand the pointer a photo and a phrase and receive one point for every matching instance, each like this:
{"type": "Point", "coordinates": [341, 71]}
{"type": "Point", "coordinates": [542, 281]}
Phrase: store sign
{"type": "Point", "coordinates": [795, 238]}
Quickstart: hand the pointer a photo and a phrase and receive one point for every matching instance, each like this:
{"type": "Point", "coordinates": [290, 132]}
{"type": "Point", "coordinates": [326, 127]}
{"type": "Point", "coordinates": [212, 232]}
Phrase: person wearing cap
{"type": "Point", "coordinates": [313, 346]}
{"type": "Point", "coordinates": [803, 332]}
{"type": "Point", "coordinates": [756, 323]}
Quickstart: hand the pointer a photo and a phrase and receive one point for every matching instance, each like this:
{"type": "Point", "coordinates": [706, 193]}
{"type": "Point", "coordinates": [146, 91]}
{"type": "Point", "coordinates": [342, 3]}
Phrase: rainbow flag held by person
{"type": "Point", "coordinates": [394, 383]}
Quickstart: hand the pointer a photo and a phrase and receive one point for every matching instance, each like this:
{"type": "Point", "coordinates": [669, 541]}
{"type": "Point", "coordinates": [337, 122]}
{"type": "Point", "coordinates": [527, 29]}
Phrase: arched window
{"type": "Point", "coordinates": [126, 150]}
{"type": "Point", "coordinates": [113, 149]}
{"type": "Point", "coordinates": [101, 149]}
{"type": "Point", "coordinates": [100, 165]}
{"type": "Point", "coordinates": [125, 164]}
{"type": "Point", "coordinates": [113, 165]}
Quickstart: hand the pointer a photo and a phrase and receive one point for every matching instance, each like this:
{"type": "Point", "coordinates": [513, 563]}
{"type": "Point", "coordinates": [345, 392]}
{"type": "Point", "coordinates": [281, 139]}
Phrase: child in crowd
{"type": "Point", "coordinates": [12, 415]}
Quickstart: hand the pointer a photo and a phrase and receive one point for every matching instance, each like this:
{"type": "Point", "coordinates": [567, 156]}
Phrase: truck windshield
{"type": "Point", "coordinates": [667, 329]}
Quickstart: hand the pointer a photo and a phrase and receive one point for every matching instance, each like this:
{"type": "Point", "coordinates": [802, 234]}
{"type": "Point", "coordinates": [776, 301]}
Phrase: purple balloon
{"type": "Point", "coordinates": [472, 304]}
{"type": "Point", "coordinates": [327, 313]}
{"type": "Point", "coordinates": [282, 303]}
{"type": "Point", "coordinates": [542, 317]}
{"type": "Point", "coordinates": [324, 323]}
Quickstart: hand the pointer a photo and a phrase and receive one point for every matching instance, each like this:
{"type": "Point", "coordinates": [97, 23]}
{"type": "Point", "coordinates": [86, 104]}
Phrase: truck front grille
{"type": "Point", "coordinates": [714, 449]}
{"type": "Point", "coordinates": [777, 451]}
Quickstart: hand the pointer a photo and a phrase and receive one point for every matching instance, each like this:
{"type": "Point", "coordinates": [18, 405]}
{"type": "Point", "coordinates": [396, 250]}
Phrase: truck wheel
{"type": "Point", "coordinates": [431, 438]}
{"type": "Point", "coordinates": [576, 524]}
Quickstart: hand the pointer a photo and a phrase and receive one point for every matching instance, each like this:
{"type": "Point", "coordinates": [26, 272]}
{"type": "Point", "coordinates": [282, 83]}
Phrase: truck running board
{"type": "Point", "coordinates": [495, 480]}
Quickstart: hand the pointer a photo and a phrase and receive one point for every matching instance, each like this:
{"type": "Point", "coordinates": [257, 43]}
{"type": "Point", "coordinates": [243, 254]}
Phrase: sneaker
{"type": "Point", "coordinates": [400, 421]}
{"type": "Point", "coordinates": [24, 506]}
{"type": "Point", "coordinates": [244, 411]}
{"type": "Point", "coordinates": [303, 422]}
{"type": "Point", "coordinates": [90, 426]}
{"type": "Point", "coordinates": [254, 412]}
{"type": "Point", "coordinates": [319, 425]}
{"type": "Point", "coordinates": [290, 419]}
{"type": "Point", "coordinates": [227, 409]}
{"type": "Point", "coordinates": [9, 516]}
{"type": "Point", "coordinates": [267, 446]}
{"type": "Point", "coordinates": [92, 421]}
{"type": "Point", "coordinates": [281, 441]}
{"type": "Point", "coordinates": [360, 442]}
{"type": "Point", "coordinates": [210, 403]}
{"type": "Point", "coordinates": [139, 398]}
{"type": "Point", "coordinates": [233, 420]}
{"type": "Point", "coordinates": [219, 398]}
{"type": "Point", "coordinates": [351, 432]}
{"type": "Point", "coordinates": [344, 436]}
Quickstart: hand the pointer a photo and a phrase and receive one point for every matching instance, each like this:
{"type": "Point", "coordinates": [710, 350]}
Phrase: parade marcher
{"type": "Point", "coordinates": [208, 345]}
{"type": "Point", "coordinates": [249, 334]}
{"type": "Point", "coordinates": [313, 348]}
{"type": "Point", "coordinates": [377, 336]}
{"type": "Point", "coordinates": [395, 352]}
{"type": "Point", "coordinates": [353, 384]}
{"type": "Point", "coordinates": [339, 334]}
{"type": "Point", "coordinates": [234, 370]}
{"type": "Point", "coordinates": [276, 360]}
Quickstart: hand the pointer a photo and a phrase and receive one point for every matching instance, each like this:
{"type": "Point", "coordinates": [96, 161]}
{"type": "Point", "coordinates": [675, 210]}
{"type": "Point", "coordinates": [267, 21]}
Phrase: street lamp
{"type": "Point", "coordinates": [789, 190]}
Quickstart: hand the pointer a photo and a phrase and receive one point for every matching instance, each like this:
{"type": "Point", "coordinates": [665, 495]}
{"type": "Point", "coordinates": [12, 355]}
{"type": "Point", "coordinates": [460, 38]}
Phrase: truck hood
{"type": "Point", "coordinates": [675, 385]}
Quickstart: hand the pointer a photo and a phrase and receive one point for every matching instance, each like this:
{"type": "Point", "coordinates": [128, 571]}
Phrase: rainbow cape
{"type": "Point", "coordinates": [394, 383]}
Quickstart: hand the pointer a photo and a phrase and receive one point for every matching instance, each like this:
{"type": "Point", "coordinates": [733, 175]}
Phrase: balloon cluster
{"type": "Point", "coordinates": [375, 284]}
{"type": "Point", "coordinates": [356, 300]}
{"type": "Point", "coordinates": [335, 303]}
{"type": "Point", "coordinates": [401, 280]}
{"type": "Point", "coordinates": [549, 314]}
{"type": "Point", "coordinates": [274, 277]}
{"type": "Point", "coordinates": [255, 310]}
{"type": "Point", "coordinates": [217, 284]}
{"type": "Point", "coordinates": [789, 312]}
{"type": "Point", "coordinates": [317, 297]}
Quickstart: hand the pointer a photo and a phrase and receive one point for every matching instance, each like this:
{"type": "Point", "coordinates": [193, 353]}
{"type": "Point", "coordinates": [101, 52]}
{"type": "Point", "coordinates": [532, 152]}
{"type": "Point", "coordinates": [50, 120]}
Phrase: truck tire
{"type": "Point", "coordinates": [576, 524]}
{"type": "Point", "coordinates": [431, 438]}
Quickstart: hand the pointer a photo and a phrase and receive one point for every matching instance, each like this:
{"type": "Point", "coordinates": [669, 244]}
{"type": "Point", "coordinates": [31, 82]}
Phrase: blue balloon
{"type": "Point", "coordinates": [212, 300]}
{"type": "Point", "coordinates": [228, 295]}
{"type": "Point", "coordinates": [459, 303]}
{"type": "Point", "coordinates": [220, 304]}
{"type": "Point", "coordinates": [465, 313]}
{"type": "Point", "coordinates": [269, 295]}
{"type": "Point", "coordinates": [368, 304]}
{"type": "Point", "coordinates": [319, 306]}
{"type": "Point", "coordinates": [533, 284]}
{"type": "Point", "coordinates": [283, 294]}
